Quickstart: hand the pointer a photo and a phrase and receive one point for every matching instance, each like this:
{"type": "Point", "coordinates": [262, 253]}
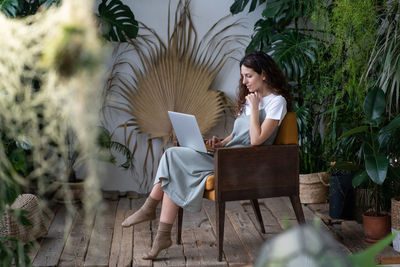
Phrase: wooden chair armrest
{"type": "Point", "coordinates": [267, 168]}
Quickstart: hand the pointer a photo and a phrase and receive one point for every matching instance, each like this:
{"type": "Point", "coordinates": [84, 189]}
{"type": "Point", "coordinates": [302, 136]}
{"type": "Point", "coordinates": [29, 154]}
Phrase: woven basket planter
{"type": "Point", "coordinates": [314, 187]}
{"type": "Point", "coordinates": [9, 226]}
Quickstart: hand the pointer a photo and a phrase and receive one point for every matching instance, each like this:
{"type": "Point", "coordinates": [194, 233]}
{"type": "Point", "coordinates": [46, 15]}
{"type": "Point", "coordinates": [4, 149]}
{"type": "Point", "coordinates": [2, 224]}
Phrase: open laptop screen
{"type": "Point", "coordinates": [187, 131]}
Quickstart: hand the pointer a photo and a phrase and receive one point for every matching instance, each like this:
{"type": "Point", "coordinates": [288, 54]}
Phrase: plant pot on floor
{"type": "Point", "coordinates": [376, 226]}
{"type": "Point", "coordinates": [68, 192]}
{"type": "Point", "coordinates": [314, 187]}
{"type": "Point", "coordinates": [341, 196]}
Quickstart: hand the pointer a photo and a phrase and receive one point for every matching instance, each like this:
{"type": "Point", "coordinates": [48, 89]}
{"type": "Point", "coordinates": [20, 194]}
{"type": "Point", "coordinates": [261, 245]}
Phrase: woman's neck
{"type": "Point", "coordinates": [266, 92]}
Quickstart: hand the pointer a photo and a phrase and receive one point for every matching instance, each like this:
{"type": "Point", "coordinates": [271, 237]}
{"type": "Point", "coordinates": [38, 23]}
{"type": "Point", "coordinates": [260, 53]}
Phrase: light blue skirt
{"type": "Point", "coordinates": [183, 173]}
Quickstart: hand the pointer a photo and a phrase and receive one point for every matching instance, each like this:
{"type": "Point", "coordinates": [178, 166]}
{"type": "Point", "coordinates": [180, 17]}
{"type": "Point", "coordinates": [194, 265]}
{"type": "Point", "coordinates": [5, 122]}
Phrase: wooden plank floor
{"type": "Point", "coordinates": [105, 243]}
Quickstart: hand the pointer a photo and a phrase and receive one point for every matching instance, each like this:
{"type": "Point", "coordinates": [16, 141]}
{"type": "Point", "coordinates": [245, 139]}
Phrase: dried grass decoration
{"type": "Point", "coordinates": [176, 76]}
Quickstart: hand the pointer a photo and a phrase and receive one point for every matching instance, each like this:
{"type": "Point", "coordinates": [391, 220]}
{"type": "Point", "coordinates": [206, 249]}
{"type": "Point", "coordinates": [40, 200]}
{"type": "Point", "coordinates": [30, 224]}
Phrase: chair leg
{"type": "Point", "coordinates": [179, 226]}
{"type": "Point", "coordinates": [220, 221]}
{"type": "Point", "coordinates": [256, 208]}
{"type": "Point", "coordinates": [298, 209]}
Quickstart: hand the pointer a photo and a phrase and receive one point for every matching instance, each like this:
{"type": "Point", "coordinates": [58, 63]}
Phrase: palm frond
{"type": "Point", "coordinates": [176, 75]}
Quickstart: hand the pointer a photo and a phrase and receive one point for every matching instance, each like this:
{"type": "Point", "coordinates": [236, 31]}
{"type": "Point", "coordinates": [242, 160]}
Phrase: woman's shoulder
{"type": "Point", "coordinates": [273, 99]}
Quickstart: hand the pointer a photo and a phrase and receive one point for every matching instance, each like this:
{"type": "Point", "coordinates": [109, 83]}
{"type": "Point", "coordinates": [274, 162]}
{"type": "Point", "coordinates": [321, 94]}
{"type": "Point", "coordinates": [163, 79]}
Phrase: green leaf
{"type": "Point", "coordinates": [287, 10]}
{"type": "Point", "coordinates": [117, 21]}
{"type": "Point", "coordinates": [374, 103]}
{"type": "Point", "coordinates": [238, 6]}
{"type": "Point", "coordinates": [20, 216]}
{"type": "Point", "coordinates": [11, 193]}
{"type": "Point", "coordinates": [48, 3]}
{"type": "Point", "coordinates": [19, 161]}
{"type": "Point", "coordinates": [366, 258]}
{"type": "Point", "coordinates": [360, 178]}
{"type": "Point", "coordinates": [293, 51]}
{"type": "Point", "coordinates": [274, 9]}
{"type": "Point", "coordinates": [9, 7]}
{"type": "Point", "coordinates": [393, 125]}
{"type": "Point", "coordinates": [384, 140]}
{"type": "Point", "coordinates": [376, 165]}
{"type": "Point", "coordinates": [253, 5]}
{"type": "Point", "coordinates": [356, 130]}
{"type": "Point", "coordinates": [264, 31]}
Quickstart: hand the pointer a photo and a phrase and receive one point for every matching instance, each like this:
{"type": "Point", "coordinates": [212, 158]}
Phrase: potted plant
{"type": "Point", "coordinates": [314, 178]}
{"type": "Point", "coordinates": [71, 188]}
{"type": "Point", "coordinates": [376, 137]}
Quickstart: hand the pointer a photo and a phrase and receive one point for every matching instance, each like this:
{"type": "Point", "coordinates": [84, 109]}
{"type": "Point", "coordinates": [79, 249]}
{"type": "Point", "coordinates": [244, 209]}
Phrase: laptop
{"type": "Point", "coordinates": [188, 132]}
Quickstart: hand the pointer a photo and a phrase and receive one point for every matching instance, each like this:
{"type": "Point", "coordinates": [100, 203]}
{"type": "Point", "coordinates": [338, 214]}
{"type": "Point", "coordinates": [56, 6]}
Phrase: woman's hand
{"type": "Point", "coordinates": [253, 99]}
{"type": "Point", "coordinates": [214, 142]}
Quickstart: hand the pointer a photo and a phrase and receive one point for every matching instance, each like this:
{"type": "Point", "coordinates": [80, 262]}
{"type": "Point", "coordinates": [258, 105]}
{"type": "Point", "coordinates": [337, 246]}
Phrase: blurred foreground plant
{"type": "Point", "coordinates": [49, 80]}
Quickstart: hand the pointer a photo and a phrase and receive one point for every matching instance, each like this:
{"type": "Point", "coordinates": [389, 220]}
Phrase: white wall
{"type": "Point", "coordinates": [154, 13]}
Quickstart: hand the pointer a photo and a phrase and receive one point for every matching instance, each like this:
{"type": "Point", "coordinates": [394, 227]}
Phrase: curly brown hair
{"type": "Point", "coordinates": [275, 79]}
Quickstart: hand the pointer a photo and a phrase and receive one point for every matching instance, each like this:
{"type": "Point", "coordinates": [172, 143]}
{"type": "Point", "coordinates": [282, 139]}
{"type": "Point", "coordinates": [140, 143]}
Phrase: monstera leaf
{"type": "Point", "coordinates": [293, 51]}
{"type": "Point", "coordinates": [9, 7]}
{"type": "Point", "coordinates": [264, 31]}
{"type": "Point", "coordinates": [22, 8]}
{"type": "Point", "coordinates": [239, 5]}
{"type": "Point", "coordinates": [287, 9]}
{"type": "Point", "coordinates": [117, 21]}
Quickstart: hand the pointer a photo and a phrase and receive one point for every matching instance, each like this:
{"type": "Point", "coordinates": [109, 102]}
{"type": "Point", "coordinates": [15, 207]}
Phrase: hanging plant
{"type": "Point", "coordinates": [175, 75]}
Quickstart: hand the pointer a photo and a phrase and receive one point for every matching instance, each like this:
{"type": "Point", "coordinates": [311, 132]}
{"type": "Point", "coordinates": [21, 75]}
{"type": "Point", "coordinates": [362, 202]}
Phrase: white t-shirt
{"type": "Point", "coordinates": [274, 106]}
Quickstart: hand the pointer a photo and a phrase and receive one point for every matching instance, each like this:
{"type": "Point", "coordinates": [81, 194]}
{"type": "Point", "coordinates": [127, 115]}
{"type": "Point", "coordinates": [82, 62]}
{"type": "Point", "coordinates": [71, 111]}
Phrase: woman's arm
{"type": "Point", "coordinates": [259, 133]}
{"type": "Point", "coordinates": [226, 140]}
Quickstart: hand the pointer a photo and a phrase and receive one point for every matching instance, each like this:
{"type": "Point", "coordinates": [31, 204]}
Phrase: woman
{"type": "Point", "coordinates": [262, 103]}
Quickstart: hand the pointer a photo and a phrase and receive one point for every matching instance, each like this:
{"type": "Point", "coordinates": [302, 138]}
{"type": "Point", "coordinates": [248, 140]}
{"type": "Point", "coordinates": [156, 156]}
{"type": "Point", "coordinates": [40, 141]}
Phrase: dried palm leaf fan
{"type": "Point", "coordinates": [174, 76]}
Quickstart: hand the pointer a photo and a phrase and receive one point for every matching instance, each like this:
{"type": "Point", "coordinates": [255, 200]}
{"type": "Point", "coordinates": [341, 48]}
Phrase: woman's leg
{"type": "Point", "coordinates": [148, 211]}
{"type": "Point", "coordinates": [156, 192]}
{"type": "Point", "coordinates": [169, 210]}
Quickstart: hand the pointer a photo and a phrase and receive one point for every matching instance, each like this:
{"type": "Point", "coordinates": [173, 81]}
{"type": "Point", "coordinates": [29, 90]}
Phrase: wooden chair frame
{"type": "Point", "coordinates": [250, 173]}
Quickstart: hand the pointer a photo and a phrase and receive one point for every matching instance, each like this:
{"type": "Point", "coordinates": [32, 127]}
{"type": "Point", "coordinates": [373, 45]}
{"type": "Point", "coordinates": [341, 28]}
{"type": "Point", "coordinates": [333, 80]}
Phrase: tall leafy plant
{"type": "Point", "coordinates": [378, 146]}
{"type": "Point", "coordinates": [36, 99]}
{"type": "Point", "coordinates": [347, 31]}
{"type": "Point", "coordinates": [384, 62]}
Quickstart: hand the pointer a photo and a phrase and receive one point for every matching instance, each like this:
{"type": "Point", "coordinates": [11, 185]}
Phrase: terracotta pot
{"type": "Point", "coordinates": [376, 227]}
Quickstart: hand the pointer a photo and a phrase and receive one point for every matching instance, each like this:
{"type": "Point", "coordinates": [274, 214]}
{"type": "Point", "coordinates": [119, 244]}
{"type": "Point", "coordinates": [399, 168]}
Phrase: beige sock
{"type": "Point", "coordinates": [146, 213]}
{"type": "Point", "coordinates": [162, 240]}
